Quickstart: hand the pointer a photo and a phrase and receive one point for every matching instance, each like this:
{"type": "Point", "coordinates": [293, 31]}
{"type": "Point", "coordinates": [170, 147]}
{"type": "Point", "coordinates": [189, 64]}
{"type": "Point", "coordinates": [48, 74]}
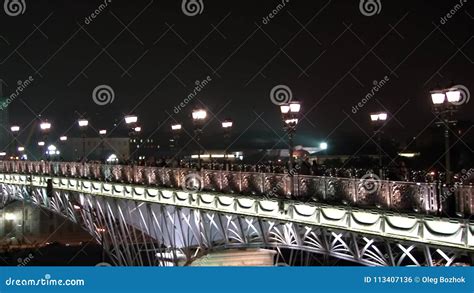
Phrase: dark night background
{"type": "Point", "coordinates": [330, 65]}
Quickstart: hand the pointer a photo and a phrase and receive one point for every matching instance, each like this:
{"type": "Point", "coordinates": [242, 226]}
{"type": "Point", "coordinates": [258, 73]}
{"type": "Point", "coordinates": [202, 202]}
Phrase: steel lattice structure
{"type": "Point", "coordinates": [140, 225]}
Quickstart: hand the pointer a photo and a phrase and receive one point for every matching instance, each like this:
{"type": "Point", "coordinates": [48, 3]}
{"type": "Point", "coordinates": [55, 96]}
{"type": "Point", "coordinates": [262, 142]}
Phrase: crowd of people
{"type": "Point", "coordinates": [305, 166]}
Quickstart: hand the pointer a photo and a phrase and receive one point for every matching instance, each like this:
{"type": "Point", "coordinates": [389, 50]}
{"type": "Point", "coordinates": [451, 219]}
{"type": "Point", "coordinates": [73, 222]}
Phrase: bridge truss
{"type": "Point", "coordinates": [154, 226]}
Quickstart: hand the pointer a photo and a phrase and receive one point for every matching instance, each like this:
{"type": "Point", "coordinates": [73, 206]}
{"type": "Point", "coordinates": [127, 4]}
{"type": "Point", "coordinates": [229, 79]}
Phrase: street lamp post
{"type": "Point", "coordinates": [102, 134]}
{"type": "Point", "coordinates": [378, 121]}
{"type": "Point", "coordinates": [290, 114]}
{"type": "Point", "coordinates": [176, 130]}
{"type": "Point", "coordinates": [15, 130]}
{"type": "Point", "coordinates": [445, 105]}
{"type": "Point", "coordinates": [45, 127]}
{"type": "Point", "coordinates": [83, 123]}
{"type": "Point", "coordinates": [227, 126]}
{"type": "Point", "coordinates": [199, 117]}
{"type": "Point", "coordinates": [131, 121]}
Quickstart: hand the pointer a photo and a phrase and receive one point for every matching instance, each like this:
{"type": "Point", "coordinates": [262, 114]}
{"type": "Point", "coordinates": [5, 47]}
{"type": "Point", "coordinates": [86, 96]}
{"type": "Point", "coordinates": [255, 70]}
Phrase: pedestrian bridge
{"type": "Point", "coordinates": [161, 216]}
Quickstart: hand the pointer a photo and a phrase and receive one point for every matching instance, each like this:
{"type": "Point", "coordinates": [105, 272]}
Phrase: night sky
{"type": "Point", "coordinates": [151, 54]}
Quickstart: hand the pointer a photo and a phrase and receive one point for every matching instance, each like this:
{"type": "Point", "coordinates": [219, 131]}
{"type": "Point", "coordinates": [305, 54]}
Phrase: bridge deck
{"type": "Point", "coordinates": [409, 197]}
{"type": "Point", "coordinates": [445, 232]}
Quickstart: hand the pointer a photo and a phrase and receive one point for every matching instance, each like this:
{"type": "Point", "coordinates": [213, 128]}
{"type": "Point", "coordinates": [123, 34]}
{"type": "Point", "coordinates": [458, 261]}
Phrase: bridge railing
{"type": "Point", "coordinates": [427, 198]}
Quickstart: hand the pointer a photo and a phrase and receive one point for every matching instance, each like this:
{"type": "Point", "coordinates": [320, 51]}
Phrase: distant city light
{"type": "Point", "coordinates": [63, 138]}
{"type": "Point", "coordinates": [52, 150]}
{"type": "Point", "coordinates": [137, 129]}
{"type": "Point", "coordinates": [131, 119]}
{"type": "Point", "coordinates": [83, 122]}
{"type": "Point", "coordinates": [408, 155]}
{"type": "Point", "coordinates": [45, 126]}
{"type": "Point", "coordinates": [227, 124]}
{"type": "Point", "coordinates": [176, 127]}
{"type": "Point", "coordinates": [41, 143]}
{"type": "Point", "coordinates": [112, 158]}
{"type": "Point", "coordinates": [103, 132]}
{"type": "Point", "coordinates": [2, 154]}
{"type": "Point", "coordinates": [21, 149]}
{"type": "Point", "coordinates": [15, 128]}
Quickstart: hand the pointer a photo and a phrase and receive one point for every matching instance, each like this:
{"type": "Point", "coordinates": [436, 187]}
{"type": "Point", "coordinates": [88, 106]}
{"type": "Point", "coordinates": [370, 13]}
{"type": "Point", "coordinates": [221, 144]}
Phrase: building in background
{"type": "Point", "coordinates": [96, 148]}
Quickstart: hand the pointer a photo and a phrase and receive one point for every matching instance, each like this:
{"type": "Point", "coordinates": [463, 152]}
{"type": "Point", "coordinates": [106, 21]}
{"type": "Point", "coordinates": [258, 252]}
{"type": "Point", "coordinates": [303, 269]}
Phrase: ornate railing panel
{"type": "Point", "coordinates": [427, 198]}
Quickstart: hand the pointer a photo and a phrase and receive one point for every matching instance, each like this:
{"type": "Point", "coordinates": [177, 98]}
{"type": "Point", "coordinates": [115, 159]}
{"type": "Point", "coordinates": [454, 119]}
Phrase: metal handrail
{"type": "Point", "coordinates": [426, 198]}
